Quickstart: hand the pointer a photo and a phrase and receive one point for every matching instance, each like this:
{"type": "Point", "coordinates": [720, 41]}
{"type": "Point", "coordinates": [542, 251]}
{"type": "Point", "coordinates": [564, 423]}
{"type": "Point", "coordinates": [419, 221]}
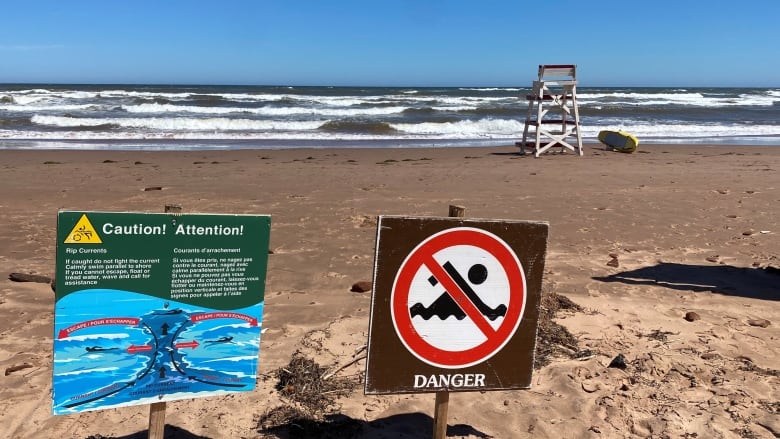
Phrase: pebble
{"type": "Point", "coordinates": [618, 362]}
{"type": "Point", "coordinates": [16, 368]}
{"type": "Point", "coordinates": [28, 277]}
{"type": "Point", "coordinates": [692, 316]}
{"type": "Point", "coordinates": [590, 387]}
{"type": "Point", "coordinates": [361, 286]}
{"type": "Point", "coordinates": [763, 323]}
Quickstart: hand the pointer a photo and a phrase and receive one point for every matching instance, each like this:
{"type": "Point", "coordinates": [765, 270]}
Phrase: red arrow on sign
{"type": "Point", "coordinates": [129, 321]}
{"type": "Point", "coordinates": [223, 315]}
{"type": "Point", "coordinates": [142, 348]}
{"type": "Point", "coordinates": [188, 344]}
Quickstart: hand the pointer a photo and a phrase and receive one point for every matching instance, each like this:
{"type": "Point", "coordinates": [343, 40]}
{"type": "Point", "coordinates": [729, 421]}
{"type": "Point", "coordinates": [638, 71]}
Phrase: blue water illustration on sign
{"type": "Point", "coordinates": [144, 349]}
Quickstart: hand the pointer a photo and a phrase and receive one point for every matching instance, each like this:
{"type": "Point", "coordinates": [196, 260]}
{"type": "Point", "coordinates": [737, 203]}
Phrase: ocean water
{"type": "Point", "coordinates": [256, 117]}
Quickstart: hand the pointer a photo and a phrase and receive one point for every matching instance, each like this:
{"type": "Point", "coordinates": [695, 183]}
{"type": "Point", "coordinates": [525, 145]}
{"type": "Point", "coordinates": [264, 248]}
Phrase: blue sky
{"type": "Point", "coordinates": [383, 42]}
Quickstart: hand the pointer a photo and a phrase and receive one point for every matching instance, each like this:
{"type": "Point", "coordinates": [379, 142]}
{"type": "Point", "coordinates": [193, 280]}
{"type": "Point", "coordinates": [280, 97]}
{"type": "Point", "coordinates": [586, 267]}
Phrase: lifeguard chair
{"type": "Point", "coordinates": [553, 116]}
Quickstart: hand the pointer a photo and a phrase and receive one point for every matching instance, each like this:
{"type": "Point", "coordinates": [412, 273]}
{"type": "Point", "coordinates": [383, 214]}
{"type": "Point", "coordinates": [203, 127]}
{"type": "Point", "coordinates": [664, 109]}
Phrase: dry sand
{"type": "Point", "coordinates": [636, 240]}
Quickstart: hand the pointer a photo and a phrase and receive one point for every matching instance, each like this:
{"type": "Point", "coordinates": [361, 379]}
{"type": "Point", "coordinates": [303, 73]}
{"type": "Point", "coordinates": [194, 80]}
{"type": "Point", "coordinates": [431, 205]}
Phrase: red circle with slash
{"type": "Point", "coordinates": [422, 258]}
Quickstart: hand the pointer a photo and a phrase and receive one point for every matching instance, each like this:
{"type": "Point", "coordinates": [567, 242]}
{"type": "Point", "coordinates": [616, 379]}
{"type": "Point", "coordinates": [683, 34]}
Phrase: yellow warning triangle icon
{"type": "Point", "coordinates": [83, 233]}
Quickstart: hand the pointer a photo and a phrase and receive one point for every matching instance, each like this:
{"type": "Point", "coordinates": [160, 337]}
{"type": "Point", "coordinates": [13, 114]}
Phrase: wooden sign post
{"type": "Point", "coordinates": [440, 415]}
{"type": "Point", "coordinates": [157, 409]}
{"type": "Point", "coordinates": [157, 420]}
{"type": "Point", "coordinates": [443, 396]}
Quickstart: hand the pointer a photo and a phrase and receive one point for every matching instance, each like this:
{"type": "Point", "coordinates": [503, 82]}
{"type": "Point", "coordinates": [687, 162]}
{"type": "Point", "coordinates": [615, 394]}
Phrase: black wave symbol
{"type": "Point", "coordinates": [445, 306]}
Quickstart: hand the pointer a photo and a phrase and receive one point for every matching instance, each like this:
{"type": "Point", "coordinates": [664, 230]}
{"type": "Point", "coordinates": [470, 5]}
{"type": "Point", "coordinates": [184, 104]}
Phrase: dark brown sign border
{"type": "Point", "coordinates": [392, 368]}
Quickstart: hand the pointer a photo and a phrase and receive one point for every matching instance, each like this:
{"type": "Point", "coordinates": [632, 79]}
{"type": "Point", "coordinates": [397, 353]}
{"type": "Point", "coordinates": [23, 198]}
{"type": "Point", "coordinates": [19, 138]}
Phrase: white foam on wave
{"type": "Point", "coordinates": [489, 89]}
{"type": "Point", "coordinates": [352, 101]}
{"type": "Point", "coordinates": [457, 108]}
{"type": "Point", "coordinates": [144, 94]}
{"type": "Point", "coordinates": [342, 101]}
{"type": "Point", "coordinates": [26, 108]}
{"type": "Point", "coordinates": [686, 99]}
{"type": "Point", "coordinates": [262, 111]}
{"type": "Point", "coordinates": [25, 99]}
{"type": "Point", "coordinates": [301, 103]}
{"type": "Point", "coordinates": [204, 129]}
{"type": "Point", "coordinates": [470, 100]}
{"type": "Point", "coordinates": [180, 123]}
{"type": "Point", "coordinates": [121, 137]}
{"type": "Point", "coordinates": [32, 90]}
{"type": "Point", "coordinates": [483, 128]}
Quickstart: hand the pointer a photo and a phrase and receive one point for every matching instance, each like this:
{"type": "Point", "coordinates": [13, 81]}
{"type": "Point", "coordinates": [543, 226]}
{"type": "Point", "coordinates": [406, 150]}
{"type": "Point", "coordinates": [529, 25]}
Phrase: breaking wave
{"type": "Point", "coordinates": [464, 115]}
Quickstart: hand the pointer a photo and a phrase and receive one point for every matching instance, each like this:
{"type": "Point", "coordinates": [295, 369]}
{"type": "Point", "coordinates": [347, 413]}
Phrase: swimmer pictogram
{"type": "Point", "coordinates": [83, 233]}
{"type": "Point", "coordinates": [458, 297]}
{"type": "Point", "coordinates": [445, 306]}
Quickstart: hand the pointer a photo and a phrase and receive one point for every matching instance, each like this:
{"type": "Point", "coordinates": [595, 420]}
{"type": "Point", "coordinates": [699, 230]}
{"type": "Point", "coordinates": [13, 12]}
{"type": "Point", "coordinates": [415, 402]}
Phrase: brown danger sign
{"type": "Point", "coordinates": [455, 304]}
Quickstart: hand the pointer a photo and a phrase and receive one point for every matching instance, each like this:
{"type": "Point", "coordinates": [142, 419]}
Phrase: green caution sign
{"type": "Point", "coordinates": [156, 307]}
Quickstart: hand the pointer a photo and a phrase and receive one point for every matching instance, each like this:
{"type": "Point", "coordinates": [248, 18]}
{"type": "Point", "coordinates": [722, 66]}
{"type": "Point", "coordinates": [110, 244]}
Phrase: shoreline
{"type": "Point", "coordinates": [591, 150]}
{"type": "Point", "coordinates": [324, 144]}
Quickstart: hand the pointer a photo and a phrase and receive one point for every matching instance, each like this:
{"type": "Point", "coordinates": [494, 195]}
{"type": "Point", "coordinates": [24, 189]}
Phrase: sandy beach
{"type": "Point", "coordinates": [669, 257]}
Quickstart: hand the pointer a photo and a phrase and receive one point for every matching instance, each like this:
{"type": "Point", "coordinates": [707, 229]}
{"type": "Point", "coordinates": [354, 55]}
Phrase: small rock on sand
{"type": "Point", "coordinates": [618, 362]}
{"type": "Point", "coordinates": [361, 286]}
{"type": "Point", "coordinates": [26, 277]}
{"type": "Point", "coordinates": [763, 323]}
{"type": "Point", "coordinates": [692, 316]}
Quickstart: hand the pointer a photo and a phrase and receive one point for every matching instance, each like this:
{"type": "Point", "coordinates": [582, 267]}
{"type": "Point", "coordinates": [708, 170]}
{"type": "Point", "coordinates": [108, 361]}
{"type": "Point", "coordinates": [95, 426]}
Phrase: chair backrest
{"type": "Point", "coordinates": [557, 72]}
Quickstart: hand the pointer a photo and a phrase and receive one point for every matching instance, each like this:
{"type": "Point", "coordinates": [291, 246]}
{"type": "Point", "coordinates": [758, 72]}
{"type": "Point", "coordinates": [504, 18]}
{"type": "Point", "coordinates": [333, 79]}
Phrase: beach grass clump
{"type": "Point", "coordinates": [312, 391]}
{"type": "Point", "coordinates": [552, 338]}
